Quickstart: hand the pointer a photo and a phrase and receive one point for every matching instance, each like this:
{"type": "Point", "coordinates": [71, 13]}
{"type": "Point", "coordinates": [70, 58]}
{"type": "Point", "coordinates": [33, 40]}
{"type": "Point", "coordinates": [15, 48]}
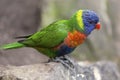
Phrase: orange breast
{"type": "Point", "coordinates": [74, 39]}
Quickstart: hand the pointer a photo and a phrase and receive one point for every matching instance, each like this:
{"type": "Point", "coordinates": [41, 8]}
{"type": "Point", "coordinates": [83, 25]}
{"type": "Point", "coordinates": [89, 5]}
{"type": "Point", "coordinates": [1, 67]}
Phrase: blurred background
{"type": "Point", "coordinates": [23, 17]}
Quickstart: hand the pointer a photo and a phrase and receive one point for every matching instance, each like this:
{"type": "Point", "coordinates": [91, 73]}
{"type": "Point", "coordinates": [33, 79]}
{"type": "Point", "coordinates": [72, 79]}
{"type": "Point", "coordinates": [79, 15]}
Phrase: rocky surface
{"type": "Point", "coordinates": [22, 17]}
{"type": "Point", "coordinates": [54, 71]}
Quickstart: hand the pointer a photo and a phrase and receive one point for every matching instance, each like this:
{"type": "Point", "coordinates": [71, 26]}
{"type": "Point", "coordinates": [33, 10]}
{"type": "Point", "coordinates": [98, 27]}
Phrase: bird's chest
{"type": "Point", "coordinates": [72, 40]}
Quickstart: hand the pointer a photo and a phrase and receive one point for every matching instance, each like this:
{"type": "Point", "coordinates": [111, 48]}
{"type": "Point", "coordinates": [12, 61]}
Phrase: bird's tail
{"type": "Point", "coordinates": [12, 45]}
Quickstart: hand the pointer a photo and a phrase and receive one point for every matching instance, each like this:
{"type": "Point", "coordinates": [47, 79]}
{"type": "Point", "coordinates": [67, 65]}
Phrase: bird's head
{"type": "Point", "coordinates": [86, 21]}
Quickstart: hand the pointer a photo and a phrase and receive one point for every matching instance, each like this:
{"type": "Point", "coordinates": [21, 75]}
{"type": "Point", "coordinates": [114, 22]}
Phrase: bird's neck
{"type": "Point", "coordinates": [74, 23]}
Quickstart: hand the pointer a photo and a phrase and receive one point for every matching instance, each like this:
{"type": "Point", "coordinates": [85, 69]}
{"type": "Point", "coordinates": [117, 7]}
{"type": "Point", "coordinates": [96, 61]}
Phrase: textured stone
{"type": "Point", "coordinates": [55, 71]}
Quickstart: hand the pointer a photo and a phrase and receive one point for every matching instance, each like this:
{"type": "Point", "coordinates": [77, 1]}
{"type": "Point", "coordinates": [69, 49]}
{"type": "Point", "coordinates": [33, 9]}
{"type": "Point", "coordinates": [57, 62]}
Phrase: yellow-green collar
{"type": "Point", "coordinates": [79, 19]}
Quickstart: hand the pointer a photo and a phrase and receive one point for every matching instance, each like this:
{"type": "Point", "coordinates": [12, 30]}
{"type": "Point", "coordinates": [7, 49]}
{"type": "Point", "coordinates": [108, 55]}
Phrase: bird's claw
{"type": "Point", "coordinates": [67, 62]}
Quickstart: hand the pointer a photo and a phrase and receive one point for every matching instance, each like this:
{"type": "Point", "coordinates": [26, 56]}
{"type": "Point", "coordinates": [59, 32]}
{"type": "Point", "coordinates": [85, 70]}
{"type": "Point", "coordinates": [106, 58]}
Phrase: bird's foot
{"type": "Point", "coordinates": [66, 61]}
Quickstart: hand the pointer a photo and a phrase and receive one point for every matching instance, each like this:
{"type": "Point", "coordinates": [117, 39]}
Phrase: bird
{"type": "Point", "coordinates": [60, 37]}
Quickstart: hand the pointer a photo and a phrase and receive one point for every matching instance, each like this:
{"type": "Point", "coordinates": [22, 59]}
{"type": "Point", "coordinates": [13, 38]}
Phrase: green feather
{"type": "Point", "coordinates": [12, 45]}
{"type": "Point", "coordinates": [47, 38]}
{"type": "Point", "coordinates": [50, 36]}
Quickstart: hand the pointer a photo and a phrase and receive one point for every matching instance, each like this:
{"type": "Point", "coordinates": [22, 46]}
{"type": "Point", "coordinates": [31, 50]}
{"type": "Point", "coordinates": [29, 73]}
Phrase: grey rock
{"type": "Point", "coordinates": [54, 71]}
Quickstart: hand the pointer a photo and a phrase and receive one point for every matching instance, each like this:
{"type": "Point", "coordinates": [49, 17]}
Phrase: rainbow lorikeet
{"type": "Point", "coordinates": [60, 37]}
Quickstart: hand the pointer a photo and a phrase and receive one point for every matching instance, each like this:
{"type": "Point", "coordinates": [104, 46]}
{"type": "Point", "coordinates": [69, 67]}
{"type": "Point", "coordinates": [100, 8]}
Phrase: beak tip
{"type": "Point", "coordinates": [98, 26]}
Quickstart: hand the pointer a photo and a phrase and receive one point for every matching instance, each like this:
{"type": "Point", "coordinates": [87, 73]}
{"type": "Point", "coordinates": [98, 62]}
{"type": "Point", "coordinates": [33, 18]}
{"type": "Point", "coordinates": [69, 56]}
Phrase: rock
{"type": "Point", "coordinates": [54, 71]}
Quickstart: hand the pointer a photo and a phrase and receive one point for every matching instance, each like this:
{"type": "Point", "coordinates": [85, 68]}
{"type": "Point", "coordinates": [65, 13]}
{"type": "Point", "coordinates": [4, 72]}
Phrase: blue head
{"type": "Point", "coordinates": [90, 21]}
{"type": "Point", "coordinates": [85, 21]}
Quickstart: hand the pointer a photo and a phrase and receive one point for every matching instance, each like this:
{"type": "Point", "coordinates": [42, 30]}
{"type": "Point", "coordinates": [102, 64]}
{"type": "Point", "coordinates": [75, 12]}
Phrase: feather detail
{"type": "Point", "coordinates": [74, 39]}
{"type": "Point", "coordinates": [12, 45]}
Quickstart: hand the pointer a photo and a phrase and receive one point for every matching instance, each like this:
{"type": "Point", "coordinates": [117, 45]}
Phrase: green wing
{"type": "Point", "coordinates": [50, 36]}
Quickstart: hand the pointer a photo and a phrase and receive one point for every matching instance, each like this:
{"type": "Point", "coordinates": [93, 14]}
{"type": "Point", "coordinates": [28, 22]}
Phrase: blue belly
{"type": "Point", "coordinates": [63, 50]}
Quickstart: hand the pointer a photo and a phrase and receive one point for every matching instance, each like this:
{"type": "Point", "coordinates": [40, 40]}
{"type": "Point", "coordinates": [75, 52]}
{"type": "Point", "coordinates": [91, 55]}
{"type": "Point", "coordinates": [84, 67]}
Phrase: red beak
{"type": "Point", "coordinates": [97, 26]}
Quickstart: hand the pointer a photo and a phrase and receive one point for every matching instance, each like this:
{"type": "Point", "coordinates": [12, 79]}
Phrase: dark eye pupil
{"type": "Point", "coordinates": [91, 22]}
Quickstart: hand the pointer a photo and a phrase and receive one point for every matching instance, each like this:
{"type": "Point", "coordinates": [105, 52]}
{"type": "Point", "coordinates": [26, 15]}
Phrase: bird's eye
{"type": "Point", "coordinates": [91, 22]}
